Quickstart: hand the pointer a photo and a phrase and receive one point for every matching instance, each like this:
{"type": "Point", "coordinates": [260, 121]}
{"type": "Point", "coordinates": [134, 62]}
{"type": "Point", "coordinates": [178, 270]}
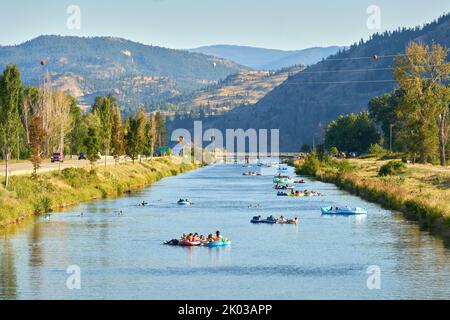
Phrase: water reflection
{"type": "Point", "coordinates": [8, 278]}
{"type": "Point", "coordinates": [123, 256]}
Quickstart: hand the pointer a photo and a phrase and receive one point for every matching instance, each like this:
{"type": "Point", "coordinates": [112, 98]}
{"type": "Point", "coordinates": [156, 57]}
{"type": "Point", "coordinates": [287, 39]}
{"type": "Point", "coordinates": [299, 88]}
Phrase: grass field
{"type": "Point", "coordinates": [28, 195]}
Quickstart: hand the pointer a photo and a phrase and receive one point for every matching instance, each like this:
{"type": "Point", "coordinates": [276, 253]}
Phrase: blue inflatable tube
{"type": "Point", "coordinates": [220, 243]}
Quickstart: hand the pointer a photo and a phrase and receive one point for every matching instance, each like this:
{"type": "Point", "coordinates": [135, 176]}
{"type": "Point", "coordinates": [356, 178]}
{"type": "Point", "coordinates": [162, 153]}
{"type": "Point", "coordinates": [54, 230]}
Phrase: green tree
{"type": "Point", "coordinates": [75, 137]}
{"type": "Point", "coordinates": [117, 137]}
{"type": "Point", "coordinates": [422, 75]}
{"type": "Point", "coordinates": [92, 145]}
{"type": "Point", "coordinates": [10, 94]}
{"type": "Point", "coordinates": [383, 111]}
{"type": "Point", "coordinates": [132, 138]}
{"type": "Point", "coordinates": [141, 124]}
{"type": "Point", "coordinates": [334, 150]}
{"type": "Point", "coordinates": [351, 133]}
{"type": "Point", "coordinates": [103, 108]}
{"type": "Point", "coordinates": [161, 130]}
{"type": "Point", "coordinates": [148, 142]}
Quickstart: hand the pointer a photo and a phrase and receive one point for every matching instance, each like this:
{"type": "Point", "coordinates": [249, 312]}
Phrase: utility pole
{"type": "Point", "coordinates": [18, 147]}
{"type": "Point", "coordinates": [390, 136]}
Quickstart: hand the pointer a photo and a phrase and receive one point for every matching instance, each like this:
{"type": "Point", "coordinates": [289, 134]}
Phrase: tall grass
{"type": "Point", "coordinates": [38, 194]}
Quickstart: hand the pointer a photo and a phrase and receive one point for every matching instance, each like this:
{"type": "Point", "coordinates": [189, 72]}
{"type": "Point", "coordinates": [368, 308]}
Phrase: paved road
{"type": "Point", "coordinates": [26, 167]}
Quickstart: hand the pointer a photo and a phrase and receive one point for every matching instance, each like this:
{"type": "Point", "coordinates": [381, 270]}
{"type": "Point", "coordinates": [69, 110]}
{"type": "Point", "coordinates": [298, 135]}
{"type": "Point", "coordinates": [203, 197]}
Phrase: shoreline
{"type": "Point", "coordinates": [429, 217]}
{"type": "Point", "coordinates": [58, 190]}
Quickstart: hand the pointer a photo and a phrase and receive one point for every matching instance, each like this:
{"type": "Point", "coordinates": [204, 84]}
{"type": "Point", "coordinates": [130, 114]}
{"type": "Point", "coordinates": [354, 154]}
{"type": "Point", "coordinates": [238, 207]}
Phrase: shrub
{"type": "Point", "coordinates": [43, 205]}
{"type": "Point", "coordinates": [376, 150]}
{"type": "Point", "coordinates": [310, 166]}
{"type": "Point", "coordinates": [392, 168]}
{"type": "Point", "coordinates": [334, 150]}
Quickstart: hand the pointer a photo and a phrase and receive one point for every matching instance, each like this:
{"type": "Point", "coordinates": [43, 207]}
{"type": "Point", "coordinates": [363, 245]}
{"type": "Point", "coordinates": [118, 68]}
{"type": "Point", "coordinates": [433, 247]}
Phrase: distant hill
{"type": "Point", "coordinates": [305, 103]}
{"type": "Point", "coordinates": [243, 88]}
{"type": "Point", "coordinates": [135, 72]}
{"type": "Point", "coordinates": [268, 59]}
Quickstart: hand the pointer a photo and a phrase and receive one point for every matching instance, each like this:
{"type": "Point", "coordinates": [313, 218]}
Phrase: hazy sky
{"type": "Point", "coordinates": [283, 24]}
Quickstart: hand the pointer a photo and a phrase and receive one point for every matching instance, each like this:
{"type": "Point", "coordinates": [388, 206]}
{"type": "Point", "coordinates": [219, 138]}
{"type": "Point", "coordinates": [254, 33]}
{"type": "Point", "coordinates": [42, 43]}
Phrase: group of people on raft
{"type": "Point", "coordinates": [297, 193]}
{"type": "Point", "coordinates": [273, 219]}
{"type": "Point", "coordinates": [195, 237]}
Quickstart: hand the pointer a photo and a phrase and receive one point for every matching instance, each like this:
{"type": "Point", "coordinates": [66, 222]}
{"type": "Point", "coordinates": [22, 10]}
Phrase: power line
{"type": "Point", "coordinates": [365, 58]}
{"type": "Point", "coordinates": [341, 82]}
{"type": "Point", "coordinates": [344, 70]}
{"type": "Point", "coordinates": [353, 81]}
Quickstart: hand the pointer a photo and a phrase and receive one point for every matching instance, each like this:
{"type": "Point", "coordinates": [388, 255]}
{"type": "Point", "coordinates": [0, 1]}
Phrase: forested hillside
{"type": "Point", "coordinates": [305, 103]}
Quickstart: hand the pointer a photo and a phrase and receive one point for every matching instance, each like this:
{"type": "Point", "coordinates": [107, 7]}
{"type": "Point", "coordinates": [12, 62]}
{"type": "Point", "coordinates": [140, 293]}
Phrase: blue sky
{"type": "Point", "coordinates": [282, 24]}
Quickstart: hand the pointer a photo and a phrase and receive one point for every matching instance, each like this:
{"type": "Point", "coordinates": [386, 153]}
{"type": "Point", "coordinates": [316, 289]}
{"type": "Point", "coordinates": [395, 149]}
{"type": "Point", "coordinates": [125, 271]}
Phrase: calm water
{"type": "Point", "coordinates": [122, 256]}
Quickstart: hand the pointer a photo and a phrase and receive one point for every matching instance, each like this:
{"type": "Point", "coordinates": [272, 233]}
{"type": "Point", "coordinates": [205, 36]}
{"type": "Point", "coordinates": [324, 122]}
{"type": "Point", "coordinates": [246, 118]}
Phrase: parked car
{"type": "Point", "coordinates": [82, 156]}
{"type": "Point", "coordinates": [57, 157]}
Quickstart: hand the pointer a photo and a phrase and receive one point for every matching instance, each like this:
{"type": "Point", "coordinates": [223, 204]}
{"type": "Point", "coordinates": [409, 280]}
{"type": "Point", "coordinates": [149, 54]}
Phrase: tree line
{"type": "Point", "coordinates": [38, 121]}
{"type": "Point", "coordinates": [413, 119]}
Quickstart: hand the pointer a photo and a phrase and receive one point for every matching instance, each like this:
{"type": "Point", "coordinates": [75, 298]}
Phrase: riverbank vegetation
{"type": "Point", "coordinates": [56, 190]}
{"type": "Point", "coordinates": [421, 192]}
{"type": "Point", "coordinates": [412, 121]}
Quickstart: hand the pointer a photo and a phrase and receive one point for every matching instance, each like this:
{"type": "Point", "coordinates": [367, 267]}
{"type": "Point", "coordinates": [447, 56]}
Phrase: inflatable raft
{"type": "Point", "coordinates": [186, 243]}
{"type": "Point", "coordinates": [220, 243]}
{"type": "Point", "coordinates": [343, 210]}
{"type": "Point", "coordinates": [259, 220]}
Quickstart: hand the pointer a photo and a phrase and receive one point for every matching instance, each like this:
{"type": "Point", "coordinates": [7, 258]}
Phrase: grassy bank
{"type": "Point", "coordinates": [27, 195]}
{"type": "Point", "coordinates": [420, 192]}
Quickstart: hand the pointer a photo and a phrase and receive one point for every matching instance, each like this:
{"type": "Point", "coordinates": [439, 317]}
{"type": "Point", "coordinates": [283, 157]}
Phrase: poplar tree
{"type": "Point", "coordinates": [10, 93]}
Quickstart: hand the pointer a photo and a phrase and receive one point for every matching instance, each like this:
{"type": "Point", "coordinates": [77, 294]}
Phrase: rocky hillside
{"type": "Point", "coordinates": [137, 73]}
{"type": "Point", "coordinates": [243, 88]}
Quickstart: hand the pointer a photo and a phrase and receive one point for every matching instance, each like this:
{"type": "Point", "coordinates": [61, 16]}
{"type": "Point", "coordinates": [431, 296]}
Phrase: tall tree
{"type": "Point", "coordinates": [10, 93]}
{"type": "Point", "coordinates": [141, 124]}
{"type": "Point", "coordinates": [79, 131]}
{"type": "Point", "coordinates": [132, 138]}
{"type": "Point", "coordinates": [37, 138]}
{"type": "Point", "coordinates": [422, 74]}
{"type": "Point", "coordinates": [27, 109]}
{"type": "Point", "coordinates": [383, 111]}
{"type": "Point", "coordinates": [61, 117]}
{"type": "Point", "coordinates": [103, 108]}
{"type": "Point", "coordinates": [161, 129]}
{"type": "Point", "coordinates": [92, 145]}
{"type": "Point", "coordinates": [117, 136]}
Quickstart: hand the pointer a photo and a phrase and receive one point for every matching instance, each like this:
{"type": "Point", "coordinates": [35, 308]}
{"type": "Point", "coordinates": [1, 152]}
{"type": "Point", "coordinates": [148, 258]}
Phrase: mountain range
{"type": "Point", "coordinates": [268, 59]}
{"type": "Point", "coordinates": [303, 105]}
{"type": "Point", "coordinates": [136, 73]}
